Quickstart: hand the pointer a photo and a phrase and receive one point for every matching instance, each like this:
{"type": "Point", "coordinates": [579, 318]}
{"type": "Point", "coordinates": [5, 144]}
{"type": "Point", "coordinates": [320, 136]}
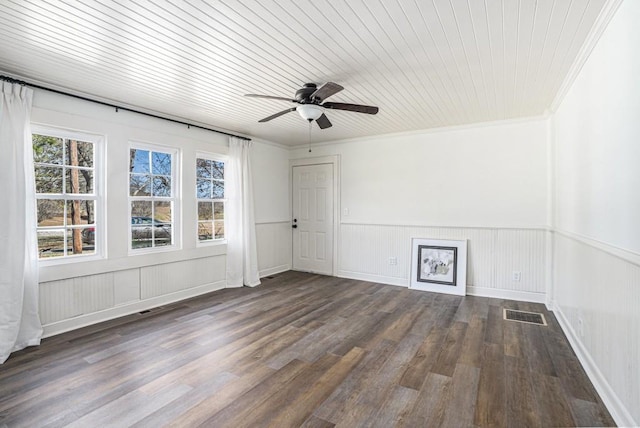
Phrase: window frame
{"type": "Point", "coordinates": [98, 196]}
{"type": "Point", "coordinates": [218, 158]}
{"type": "Point", "coordinates": [175, 199]}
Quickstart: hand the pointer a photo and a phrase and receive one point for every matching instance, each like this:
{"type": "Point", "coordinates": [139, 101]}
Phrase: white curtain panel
{"type": "Point", "coordinates": [242, 253]}
{"type": "Point", "coordinates": [19, 320]}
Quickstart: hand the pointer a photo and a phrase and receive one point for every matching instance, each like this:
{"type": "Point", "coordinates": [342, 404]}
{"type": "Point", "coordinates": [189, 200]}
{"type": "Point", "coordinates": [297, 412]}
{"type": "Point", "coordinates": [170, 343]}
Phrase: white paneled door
{"type": "Point", "coordinates": [313, 218]}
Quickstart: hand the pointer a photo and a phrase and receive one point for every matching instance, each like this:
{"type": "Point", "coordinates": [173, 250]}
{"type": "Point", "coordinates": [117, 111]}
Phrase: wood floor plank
{"type": "Point", "coordinates": [305, 350]}
{"type": "Point", "coordinates": [448, 357]}
{"type": "Point", "coordinates": [464, 390]}
{"type": "Point", "coordinates": [362, 377]}
{"type": "Point", "coordinates": [305, 403]}
{"type": "Point", "coordinates": [472, 349]}
{"type": "Point", "coordinates": [243, 405]}
{"type": "Point", "coordinates": [420, 365]}
{"type": "Point", "coordinates": [494, 332]}
{"type": "Point", "coordinates": [432, 402]}
{"type": "Point", "coordinates": [521, 409]}
{"type": "Point", "coordinates": [316, 422]}
{"type": "Point", "coordinates": [491, 404]}
{"type": "Point", "coordinates": [553, 408]}
{"type": "Point", "coordinates": [394, 409]}
{"type": "Point", "coordinates": [587, 413]}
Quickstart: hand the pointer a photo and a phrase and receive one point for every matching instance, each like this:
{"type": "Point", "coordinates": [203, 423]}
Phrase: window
{"type": "Point", "coordinates": [67, 200]}
{"type": "Point", "coordinates": [210, 198]}
{"type": "Point", "coordinates": [152, 197]}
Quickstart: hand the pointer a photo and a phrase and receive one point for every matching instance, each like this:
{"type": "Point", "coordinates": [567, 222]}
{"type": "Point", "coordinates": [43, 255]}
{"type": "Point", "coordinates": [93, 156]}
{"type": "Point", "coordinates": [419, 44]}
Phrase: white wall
{"type": "Point", "coordinates": [485, 183]}
{"type": "Point", "coordinates": [473, 176]}
{"type": "Point", "coordinates": [75, 294]}
{"type": "Point", "coordinates": [271, 192]}
{"type": "Point", "coordinates": [597, 211]}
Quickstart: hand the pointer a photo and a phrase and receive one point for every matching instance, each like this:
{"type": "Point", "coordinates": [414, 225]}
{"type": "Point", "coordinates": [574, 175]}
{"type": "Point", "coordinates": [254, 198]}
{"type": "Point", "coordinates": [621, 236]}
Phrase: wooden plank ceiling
{"type": "Point", "coordinates": [425, 63]}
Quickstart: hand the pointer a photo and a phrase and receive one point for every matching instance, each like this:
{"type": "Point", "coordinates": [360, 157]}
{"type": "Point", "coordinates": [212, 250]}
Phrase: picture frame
{"type": "Point", "coordinates": [439, 265]}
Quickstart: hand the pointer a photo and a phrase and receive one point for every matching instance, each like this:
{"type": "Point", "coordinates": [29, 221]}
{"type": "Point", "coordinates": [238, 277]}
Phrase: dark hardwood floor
{"type": "Point", "coordinates": [306, 350]}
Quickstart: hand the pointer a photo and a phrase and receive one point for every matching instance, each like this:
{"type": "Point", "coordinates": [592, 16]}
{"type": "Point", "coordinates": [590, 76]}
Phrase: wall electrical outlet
{"type": "Point", "coordinates": [346, 212]}
{"type": "Point", "coordinates": [393, 261]}
{"type": "Point", "coordinates": [516, 275]}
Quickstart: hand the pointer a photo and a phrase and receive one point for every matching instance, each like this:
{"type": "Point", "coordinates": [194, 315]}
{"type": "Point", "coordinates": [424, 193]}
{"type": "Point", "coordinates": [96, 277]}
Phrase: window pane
{"type": "Point", "coordinates": [80, 212]}
{"type": "Point", "coordinates": [139, 185]}
{"type": "Point", "coordinates": [140, 210]}
{"type": "Point", "coordinates": [217, 170]}
{"type": "Point", "coordinates": [219, 226]}
{"type": "Point", "coordinates": [162, 186]}
{"type": "Point", "coordinates": [205, 230]}
{"type": "Point", "coordinates": [218, 190]}
{"type": "Point", "coordinates": [141, 224]}
{"type": "Point", "coordinates": [79, 153]}
{"type": "Point", "coordinates": [50, 243]}
{"type": "Point", "coordinates": [50, 212]}
{"type": "Point", "coordinates": [48, 179]}
{"type": "Point", "coordinates": [203, 168]}
{"type": "Point", "coordinates": [47, 149]}
{"type": "Point", "coordinates": [141, 237]}
{"type": "Point", "coordinates": [79, 181]}
{"type": "Point", "coordinates": [85, 154]}
{"type": "Point", "coordinates": [203, 189]}
{"type": "Point", "coordinates": [218, 210]}
{"type": "Point", "coordinates": [161, 163]}
{"type": "Point", "coordinates": [76, 242]}
{"type": "Point", "coordinates": [162, 223]}
{"type": "Point", "coordinates": [205, 211]}
{"type": "Point", "coordinates": [162, 212]}
{"type": "Point", "coordinates": [89, 237]}
{"type": "Point", "coordinates": [139, 161]}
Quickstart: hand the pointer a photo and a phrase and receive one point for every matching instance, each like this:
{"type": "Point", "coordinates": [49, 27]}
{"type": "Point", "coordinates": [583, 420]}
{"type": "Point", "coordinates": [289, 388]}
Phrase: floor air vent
{"type": "Point", "coordinates": [523, 316]}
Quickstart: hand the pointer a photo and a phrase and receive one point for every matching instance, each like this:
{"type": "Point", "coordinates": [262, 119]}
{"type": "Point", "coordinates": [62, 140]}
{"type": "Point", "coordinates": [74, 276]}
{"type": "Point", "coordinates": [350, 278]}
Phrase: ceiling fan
{"type": "Point", "coordinates": [311, 105]}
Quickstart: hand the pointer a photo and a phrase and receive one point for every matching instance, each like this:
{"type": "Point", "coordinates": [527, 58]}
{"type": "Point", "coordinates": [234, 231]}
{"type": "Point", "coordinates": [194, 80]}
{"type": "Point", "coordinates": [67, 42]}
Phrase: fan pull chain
{"type": "Point", "coordinates": [310, 135]}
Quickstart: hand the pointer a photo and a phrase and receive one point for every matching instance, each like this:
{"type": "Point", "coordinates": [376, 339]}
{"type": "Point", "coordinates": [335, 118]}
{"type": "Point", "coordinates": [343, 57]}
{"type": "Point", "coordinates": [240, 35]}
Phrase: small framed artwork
{"type": "Point", "coordinates": [439, 265]}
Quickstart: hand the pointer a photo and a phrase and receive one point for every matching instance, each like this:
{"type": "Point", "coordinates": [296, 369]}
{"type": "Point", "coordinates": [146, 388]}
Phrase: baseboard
{"type": "Point", "coordinates": [401, 282]}
{"type": "Point", "coordinates": [274, 270]}
{"type": "Point", "coordinates": [523, 296]}
{"type": "Point", "coordinates": [618, 411]}
{"type": "Point", "coordinates": [74, 323]}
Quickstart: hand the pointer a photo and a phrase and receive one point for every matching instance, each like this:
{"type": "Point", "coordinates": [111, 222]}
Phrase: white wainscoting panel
{"type": "Point", "coordinates": [172, 277]}
{"type": "Point", "coordinates": [67, 304]}
{"type": "Point", "coordinates": [126, 286]}
{"type": "Point", "coordinates": [274, 247]}
{"type": "Point", "coordinates": [72, 297]}
{"type": "Point", "coordinates": [597, 297]}
{"type": "Point", "coordinates": [493, 255]}
{"type": "Point", "coordinates": [523, 251]}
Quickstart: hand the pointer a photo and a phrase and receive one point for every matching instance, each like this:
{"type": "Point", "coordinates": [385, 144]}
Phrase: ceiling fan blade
{"type": "Point", "coordinates": [273, 116]}
{"type": "Point", "coordinates": [351, 107]}
{"type": "Point", "coordinates": [324, 122]}
{"type": "Point", "coordinates": [326, 90]}
{"type": "Point", "coordinates": [270, 97]}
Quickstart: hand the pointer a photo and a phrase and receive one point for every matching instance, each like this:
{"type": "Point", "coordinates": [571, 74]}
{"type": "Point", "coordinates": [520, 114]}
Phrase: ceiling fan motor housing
{"type": "Point", "coordinates": [303, 94]}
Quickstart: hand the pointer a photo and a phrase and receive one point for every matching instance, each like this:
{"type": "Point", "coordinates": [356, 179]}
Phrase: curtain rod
{"type": "Point", "coordinates": [80, 97]}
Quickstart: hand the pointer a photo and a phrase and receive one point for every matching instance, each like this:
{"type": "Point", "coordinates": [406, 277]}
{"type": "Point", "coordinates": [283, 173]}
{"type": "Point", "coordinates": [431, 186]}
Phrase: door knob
{"type": "Point", "coordinates": [295, 226]}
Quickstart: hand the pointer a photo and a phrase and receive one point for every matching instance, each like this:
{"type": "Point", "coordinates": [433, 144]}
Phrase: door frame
{"type": "Point", "coordinates": [334, 160]}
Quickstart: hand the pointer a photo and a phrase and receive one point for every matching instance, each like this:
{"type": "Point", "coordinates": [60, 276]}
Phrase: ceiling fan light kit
{"type": "Point", "coordinates": [310, 111]}
{"type": "Point", "coordinates": [311, 105]}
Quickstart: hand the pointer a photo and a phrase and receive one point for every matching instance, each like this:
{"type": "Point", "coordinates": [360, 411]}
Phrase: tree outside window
{"type": "Point", "coordinates": [66, 199]}
{"type": "Point", "coordinates": [210, 198]}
